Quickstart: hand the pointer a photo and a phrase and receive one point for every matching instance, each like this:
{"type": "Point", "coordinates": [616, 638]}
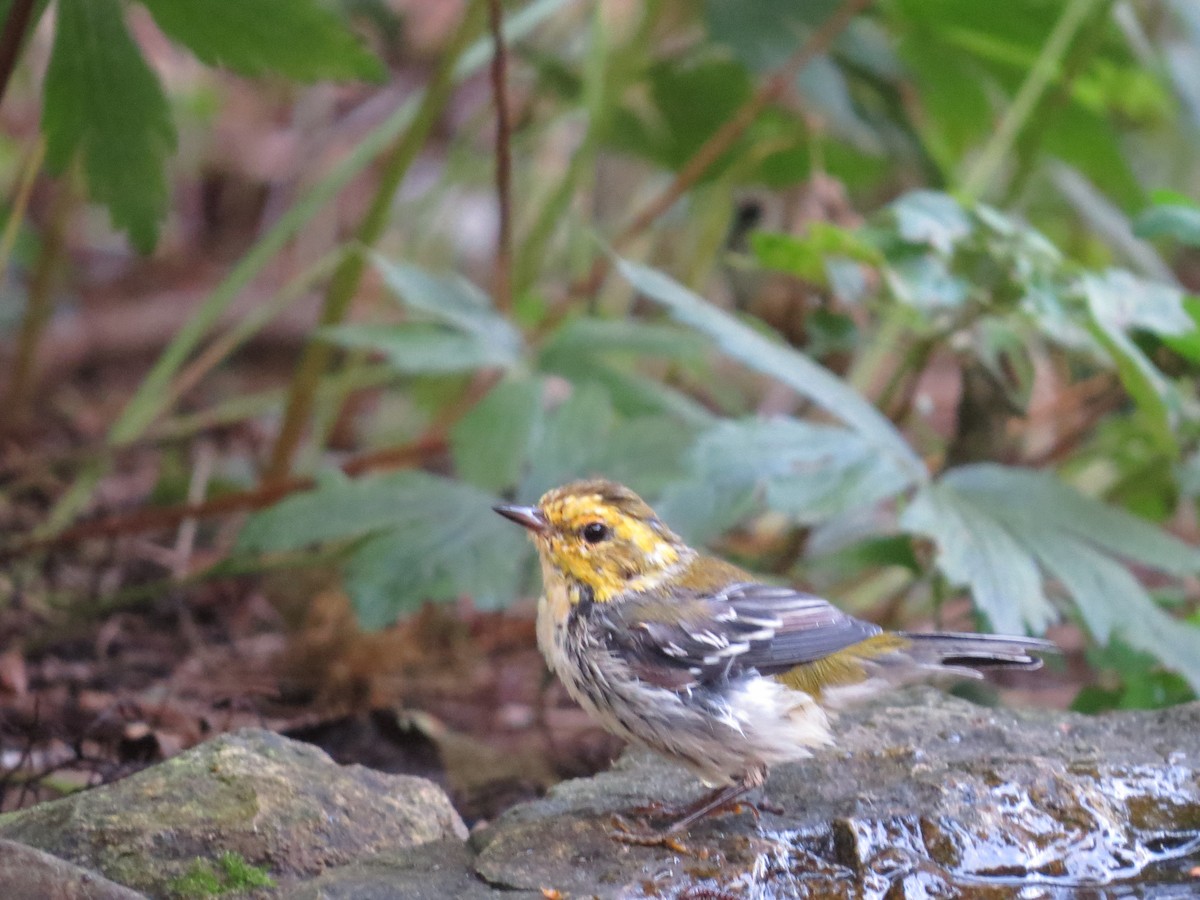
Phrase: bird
{"type": "Point", "coordinates": [696, 659]}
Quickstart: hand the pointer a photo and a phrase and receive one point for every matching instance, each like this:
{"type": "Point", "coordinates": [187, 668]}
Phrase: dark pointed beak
{"type": "Point", "coordinates": [528, 516]}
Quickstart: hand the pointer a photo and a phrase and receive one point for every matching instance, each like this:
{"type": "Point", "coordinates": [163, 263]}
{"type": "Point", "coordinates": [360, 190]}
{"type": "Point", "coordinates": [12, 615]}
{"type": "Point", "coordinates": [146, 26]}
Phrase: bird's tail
{"type": "Point", "coordinates": [967, 653]}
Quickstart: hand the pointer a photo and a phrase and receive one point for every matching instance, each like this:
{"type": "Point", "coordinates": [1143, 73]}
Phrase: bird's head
{"type": "Point", "coordinates": [602, 535]}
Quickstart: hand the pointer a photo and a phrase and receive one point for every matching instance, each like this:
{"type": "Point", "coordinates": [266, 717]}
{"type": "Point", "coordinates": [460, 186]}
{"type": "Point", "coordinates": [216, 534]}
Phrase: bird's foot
{"type": "Point", "coordinates": [642, 835]}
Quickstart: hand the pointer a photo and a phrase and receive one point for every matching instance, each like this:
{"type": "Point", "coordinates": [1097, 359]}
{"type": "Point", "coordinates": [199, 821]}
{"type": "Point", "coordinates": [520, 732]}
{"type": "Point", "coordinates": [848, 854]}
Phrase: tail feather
{"type": "Point", "coordinates": [977, 651]}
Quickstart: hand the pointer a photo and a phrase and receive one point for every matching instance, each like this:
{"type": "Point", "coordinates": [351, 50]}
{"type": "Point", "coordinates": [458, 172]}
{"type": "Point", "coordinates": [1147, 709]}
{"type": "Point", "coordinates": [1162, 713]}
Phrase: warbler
{"type": "Point", "coordinates": [692, 657]}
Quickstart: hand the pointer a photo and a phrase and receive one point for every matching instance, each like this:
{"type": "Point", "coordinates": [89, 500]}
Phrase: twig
{"type": "Point", "coordinates": [727, 135]}
{"type": "Point", "coordinates": [12, 38]}
{"type": "Point", "coordinates": [155, 518]}
{"type": "Point", "coordinates": [504, 242]}
{"type": "Point", "coordinates": [1044, 69]}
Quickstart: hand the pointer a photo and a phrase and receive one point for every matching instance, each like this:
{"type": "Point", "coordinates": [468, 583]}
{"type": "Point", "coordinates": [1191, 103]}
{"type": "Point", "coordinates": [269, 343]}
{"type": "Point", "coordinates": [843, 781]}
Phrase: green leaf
{"type": "Point", "coordinates": [1118, 302]}
{"type": "Point", "coordinates": [583, 438]}
{"type": "Point", "coordinates": [806, 256]}
{"type": "Point", "coordinates": [454, 301]}
{"type": "Point", "coordinates": [1023, 497]}
{"type": "Point", "coordinates": [932, 219]}
{"type": "Point", "coordinates": [1187, 345]}
{"type": "Point", "coordinates": [809, 472]}
{"type": "Point", "coordinates": [490, 442]}
{"type": "Point", "coordinates": [426, 538]}
{"type": "Point", "coordinates": [592, 336]}
{"type": "Point", "coordinates": [1172, 220]}
{"type": "Point", "coordinates": [104, 104]}
{"type": "Point", "coordinates": [422, 349]}
{"type": "Point", "coordinates": [299, 39]}
{"type": "Point", "coordinates": [453, 546]}
{"type": "Point", "coordinates": [975, 550]}
{"type": "Point", "coordinates": [764, 34]}
{"type": "Point", "coordinates": [778, 361]}
{"type": "Point", "coordinates": [567, 445]}
{"type": "Point", "coordinates": [995, 527]}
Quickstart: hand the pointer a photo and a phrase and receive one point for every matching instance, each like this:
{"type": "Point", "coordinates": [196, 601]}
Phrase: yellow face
{"type": "Point", "coordinates": [602, 535]}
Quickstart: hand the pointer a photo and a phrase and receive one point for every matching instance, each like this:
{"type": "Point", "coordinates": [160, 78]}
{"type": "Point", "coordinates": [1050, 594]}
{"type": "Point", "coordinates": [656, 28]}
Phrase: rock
{"type": "Point", "coordinates": [436, 871]}
{"type": "Point", "coordinates": [926, 796]}
{"type": "Point", "coordinates": [26, 872]}
{"type": "Point", "coordinates": [232, 812]}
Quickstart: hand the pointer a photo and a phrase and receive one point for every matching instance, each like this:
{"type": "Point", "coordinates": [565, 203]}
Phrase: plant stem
{"type": "Point", "coordinates": [16, 214]}
{"type": "Point", "coordinates": [1025, 102]}
{"type": "Point", "coordinates": [11, 39]}
{"type": "Point", "coordinates": [319, 355]}
{"type": "Point", "coordinates": [38, 308]}
{"type": "Point", "coordinates": [502, 290]}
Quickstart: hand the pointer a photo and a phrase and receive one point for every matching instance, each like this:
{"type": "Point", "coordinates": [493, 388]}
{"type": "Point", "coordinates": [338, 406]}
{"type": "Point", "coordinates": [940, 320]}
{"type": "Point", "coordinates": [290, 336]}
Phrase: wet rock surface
{"type": "Point", "coordinates": [925, 796]}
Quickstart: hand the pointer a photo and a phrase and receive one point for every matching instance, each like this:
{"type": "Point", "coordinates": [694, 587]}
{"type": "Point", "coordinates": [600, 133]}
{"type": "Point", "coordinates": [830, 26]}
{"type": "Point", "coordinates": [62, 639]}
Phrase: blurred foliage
{"type": "Point", "coordinates": [104, 105]}
{"type": "Point", "coordinates": [990, 198]}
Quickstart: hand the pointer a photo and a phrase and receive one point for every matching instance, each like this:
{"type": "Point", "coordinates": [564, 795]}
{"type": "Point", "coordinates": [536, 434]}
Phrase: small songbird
{"type": "Point", "coordinates": [694, 658]}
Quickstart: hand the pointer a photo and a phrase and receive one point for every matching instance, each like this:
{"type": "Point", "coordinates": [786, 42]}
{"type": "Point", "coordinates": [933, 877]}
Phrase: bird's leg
{"type": "Point", "coordinates": [723, 799]}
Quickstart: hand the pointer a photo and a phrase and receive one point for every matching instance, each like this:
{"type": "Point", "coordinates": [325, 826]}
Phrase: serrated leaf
{"type": "Point", "coordinates": [583, 437]}
{"type": "Point", "coordinates": [1024, 498]}
{"type": "Point", "coordinates": [422, 349]}
{"type": "Point", "coordinates": [567, 444]}
{"type": "Point", "coordinates": [1112, 601]}
{"type": "Point", "coordinates": [457, 547]}
{"type": "Point", "coordinates": [975, 550]}
{"type": "Point", "coordinates": [452, 300]}
{"type": "Point", "coordinates": [299, 39]}
{"type": "Point", "coordinates": [426, 538]}
{"type": "Point", "coordinates": [490, 442]}
{"type": "Point", "coordinates": [778, 361]}
{"type": "Point", "coordinates": [809, 472]}
{"type": "Point", "coordinates": [103, 103]}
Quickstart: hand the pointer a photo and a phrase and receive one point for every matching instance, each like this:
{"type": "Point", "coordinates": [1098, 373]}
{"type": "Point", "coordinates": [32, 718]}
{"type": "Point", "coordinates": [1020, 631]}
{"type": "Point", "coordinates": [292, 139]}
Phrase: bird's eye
{"type": "Point", "coordinates": [595, 532]}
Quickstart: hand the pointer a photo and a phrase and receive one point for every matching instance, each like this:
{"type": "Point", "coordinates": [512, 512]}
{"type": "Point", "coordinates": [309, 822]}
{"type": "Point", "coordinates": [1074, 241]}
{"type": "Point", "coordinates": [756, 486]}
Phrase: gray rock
{"type": "Point", "coordinates": [29, 874]}
{"type": "Point", "coordinates": [926, 796]}
{"type": "Point", "coordinates": [236, 808]}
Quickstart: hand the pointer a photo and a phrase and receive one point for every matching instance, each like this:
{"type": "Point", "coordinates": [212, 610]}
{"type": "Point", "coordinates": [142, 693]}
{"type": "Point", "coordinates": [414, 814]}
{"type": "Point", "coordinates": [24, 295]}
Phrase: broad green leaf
{"type": "Point", "coordinates": [584, 438]}
{"type": "Point", "coordinates": [930, 218]}
{"type": "Point", "coordinates": [975, 550]}
{"type": "Point", "coordinates": [623, 336]}
{"type": "Point", "coordinates": [568, 443]}
{"type": "Point", "coordinates": [764, 34]}
{"type": "Point", "coordinates": [806, 471]}
{"type": "Point", "coordinates": [1022, 498]}
{"type": "Point", "coordinates": [454, 301]}
{"type": "Point", "coordinates": [778, 361]}
{"type": "Point", "coordinates": [1172, 220]}
{"type": "Point", "coordinates": [1118, 302]}
{"type": "Point", "coordinates": [490, 442]}
{"type": "Point", "coordinates": [423, 349]}
{"type": "Point", "coordinates": [1187, 345]}
{"type": "Point", "coordinates": [104, 104]}
{"type": "Point", "coordinates": [299, 39]}
{"type": "Point", "coordinates": [426, 538]}
{"type": "Point", "coordinates": [926, 283]}
{"type": "Point", "coordinates": [454, 546]}
{"type": "Point", "coordinates": [1112, 601]}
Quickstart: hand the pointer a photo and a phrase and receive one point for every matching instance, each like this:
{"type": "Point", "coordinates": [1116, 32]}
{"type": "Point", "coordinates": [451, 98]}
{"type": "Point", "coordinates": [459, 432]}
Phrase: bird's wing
{"type": "Point", "coordinates": [676, 641]}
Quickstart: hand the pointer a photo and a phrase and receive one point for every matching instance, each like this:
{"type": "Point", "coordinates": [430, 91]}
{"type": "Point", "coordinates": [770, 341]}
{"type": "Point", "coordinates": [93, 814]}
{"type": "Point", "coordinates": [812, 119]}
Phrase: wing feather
{"type": "Point", "coordinates": [710, 637]}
